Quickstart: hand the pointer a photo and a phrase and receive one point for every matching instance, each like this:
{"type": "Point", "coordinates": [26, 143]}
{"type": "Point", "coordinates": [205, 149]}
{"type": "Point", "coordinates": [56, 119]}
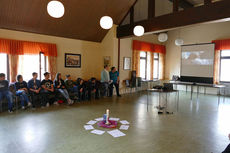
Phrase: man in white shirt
{"type": "Point", "coordinates": [105, 79]}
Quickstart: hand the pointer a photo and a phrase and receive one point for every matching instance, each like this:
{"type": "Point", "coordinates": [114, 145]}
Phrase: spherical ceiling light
{"type": "Point", "coordinates": [106, 22]}
{"type": "Point", "coordinates": [138, 30]}
{"type": "Point", "coordinates": [179, 42]}
{"type": "Point", "coordinates": [55, 9]}
{"type": "Point", "coordinates": [163, 37]}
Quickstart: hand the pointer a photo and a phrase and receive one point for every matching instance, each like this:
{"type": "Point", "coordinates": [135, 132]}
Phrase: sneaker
{"type": "Point", "coordinates": [10, 111]}
{"type": "Point", "coordinates": [72, 101]}
{"type": "Point", "coordinates": [23, 107]}
{"type": "Point", "coordinates": [47, 105]}
{"type": "Point", "coordinates": [69, 101]}
{"type": "Point", "coordinates": [56, 103]}
{"type": "Point", "coordinates": [29, 104]}
{"type": "Point", "coordinates": [160, 112]}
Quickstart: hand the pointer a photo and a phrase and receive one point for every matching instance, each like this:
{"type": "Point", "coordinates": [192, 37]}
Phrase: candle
{"type": "Point", "coordinates": [107, 112]}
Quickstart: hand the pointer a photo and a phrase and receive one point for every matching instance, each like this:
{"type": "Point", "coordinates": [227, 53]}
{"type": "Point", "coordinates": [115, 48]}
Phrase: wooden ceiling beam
{"type": "Point", "coordinates": [207, 2]}
{"type": "Point", "coordinates": [151, 9]}
{"type": "Point", "coordinates": [201, 14]}
{"type": "Point", "coordinates": [184, 4]}
{"type": "Point", "coordinates": [175, 5]}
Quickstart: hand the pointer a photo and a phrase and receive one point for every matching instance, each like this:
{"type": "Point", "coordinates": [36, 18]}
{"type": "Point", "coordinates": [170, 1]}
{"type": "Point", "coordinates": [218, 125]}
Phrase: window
{"type": "Point", "coordinates": [156, 66]}
{"type": "Point", "coordinates": [145, 60]}
{"type": "Point", "coordinates": [4, 65]}
{"type": "Point", "coordinates": [143, 63]}
{"type": "Point", "coordinates": [32, 63]}
{"type": "Point", "coordinates": [224, 66]}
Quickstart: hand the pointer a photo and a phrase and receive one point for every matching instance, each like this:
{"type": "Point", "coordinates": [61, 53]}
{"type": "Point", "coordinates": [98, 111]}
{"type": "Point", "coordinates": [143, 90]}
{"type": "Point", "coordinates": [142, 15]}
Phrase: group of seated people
{"type": "Point", "coordinates": [44, 93]}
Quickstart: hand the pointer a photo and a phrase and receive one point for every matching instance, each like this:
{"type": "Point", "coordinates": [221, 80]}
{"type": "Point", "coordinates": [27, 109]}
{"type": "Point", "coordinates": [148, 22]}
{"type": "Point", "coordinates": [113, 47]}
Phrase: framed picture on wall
{"type": "Point", "coordinates": [127, 63]}
{"type": "Point", "coordinates": [107, 60]}
{"type": "Point", "coordinates": [72, 60]}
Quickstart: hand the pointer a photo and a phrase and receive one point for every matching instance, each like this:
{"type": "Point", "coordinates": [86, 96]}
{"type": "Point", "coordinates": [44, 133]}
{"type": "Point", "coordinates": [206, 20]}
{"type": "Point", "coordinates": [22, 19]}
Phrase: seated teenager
{"type": "Point", "coordinates": [34, 86]}
{"type": "Point", "coordinates": [22, 91]}
{"type": "Point", "coordinates": [70, 84]}
{"type": "Point", "coordinates": [92, 87]}
{"type": "Point", "coordinates": [4, 92]}
{"type": "Point", "coordinates": [59, 84]}
{"type": "Point", "coordinates": [81, 89]}
{"type": "Point", "coordinates": [47, 91]}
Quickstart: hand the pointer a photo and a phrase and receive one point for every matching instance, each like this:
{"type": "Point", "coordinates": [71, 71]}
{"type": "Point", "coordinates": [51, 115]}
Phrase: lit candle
{"type": "Point", "coordinates": [107, 112]}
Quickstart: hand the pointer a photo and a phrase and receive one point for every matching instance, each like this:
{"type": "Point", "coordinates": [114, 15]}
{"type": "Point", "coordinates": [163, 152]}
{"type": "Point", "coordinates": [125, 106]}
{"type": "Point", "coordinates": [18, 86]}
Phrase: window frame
{"type": "Point", "coordinates": [7, 66]}
{"type": "Point", "coordinates": [158, 65]}
{"type": "Point", "coordinates": [145, 58]}
{"type": "Point", "coordinates": [40, 65]}
{"type": "Point", "coordinates": [225, 57]}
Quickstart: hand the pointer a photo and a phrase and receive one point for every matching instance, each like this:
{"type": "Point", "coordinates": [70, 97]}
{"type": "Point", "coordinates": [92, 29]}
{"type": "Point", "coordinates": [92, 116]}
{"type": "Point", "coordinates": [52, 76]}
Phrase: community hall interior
{"type": "Point", "coordinates": [114, 76]}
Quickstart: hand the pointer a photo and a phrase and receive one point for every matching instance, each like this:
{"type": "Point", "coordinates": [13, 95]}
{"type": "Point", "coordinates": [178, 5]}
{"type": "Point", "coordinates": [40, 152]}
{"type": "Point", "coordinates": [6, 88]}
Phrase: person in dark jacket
{"type": "Point", "coordinates": [22, 91]}
{"type": "Point", "coordinates": [227, 150]}
{"type": "Point", "coordinates": [4, 92]}
{"type": "Point", "coordinates": [47, 91]}
{"type": "Point", "coordinates": [114, 76]}
{"type": "Point", "coordinates": [59, 84]}
{"type": "Point", "coordinates": [81, 88]}
{"type": "Point", "coordinates": [34, 86]}
{"type": "Point", "coordinates": [92, 87]}
{"type": "Point", "coordinates": [70, 84]}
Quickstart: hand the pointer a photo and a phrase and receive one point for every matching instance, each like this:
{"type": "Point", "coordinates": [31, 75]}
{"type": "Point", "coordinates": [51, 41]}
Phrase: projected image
{"type": "Point", "coordinates": [196, 58]}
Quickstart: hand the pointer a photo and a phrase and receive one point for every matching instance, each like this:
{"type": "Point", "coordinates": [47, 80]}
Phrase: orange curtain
{"type": "Point", "coordinates": [52, 66]}
{"type": "Point", "coordinates": [222, 44]}
{"type": "Point", "coordinates": [17, 47]}
{"type": "Point", "coordinates": [219, 45]}
{"type": "Point", "coordinates": [139, 46]}
{"type": "Point", "coordinates": [13, 63]}
{"type": "Point", "coordinates": [216, 78]}
{"type": "Point", "coordinates": [161, 66]}
{"type": "Point", "coordinates": [148, 47]}
{"type": "Point", "coordinates": [136, 62]}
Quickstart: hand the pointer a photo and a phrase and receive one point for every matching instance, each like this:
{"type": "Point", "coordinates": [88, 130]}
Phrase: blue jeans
{"type": "Point", "coordinates": [64, 93]}
{"type": "Point", "coordinates": [9, 97]}
{"type": "Point", "coordinates": [23, 97]}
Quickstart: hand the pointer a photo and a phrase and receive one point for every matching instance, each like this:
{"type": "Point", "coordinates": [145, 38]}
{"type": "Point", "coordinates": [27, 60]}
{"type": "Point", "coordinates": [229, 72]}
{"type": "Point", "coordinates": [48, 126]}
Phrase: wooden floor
{"type": "Point", "coordinates": [199, 127]}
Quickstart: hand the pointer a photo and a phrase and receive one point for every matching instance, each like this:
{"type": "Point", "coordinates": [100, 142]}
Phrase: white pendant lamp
{"type": "Point", "coordinates": [163, 37]}
{"type": "Point", "coordinates": [138, 30]}
{"type": "Point", "coordinates": [55, 9]}
{"type": "Point", "coordinates": [106, 22]}
{"type": "Point", "coordinates": [179, 42]}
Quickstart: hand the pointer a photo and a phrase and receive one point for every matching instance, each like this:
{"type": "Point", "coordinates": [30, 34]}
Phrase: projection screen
{"type": "Point", "coordinates": [197, 60]}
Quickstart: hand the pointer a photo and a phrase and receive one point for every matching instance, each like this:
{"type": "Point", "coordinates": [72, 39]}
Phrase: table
{"type": "Point", "coordinates": [198, 85]}
{"type": "Point", "coordinates": [161, 91]}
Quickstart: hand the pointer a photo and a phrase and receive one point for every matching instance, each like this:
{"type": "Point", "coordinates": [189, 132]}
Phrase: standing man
{"type": "Point", "coordinates": [105, 79]}
{"type": "Point", "coordinates": [4, 92]}
{"type": "Point", "coordinates": [114, 76]}
{"type": "Point", "coordinates": [34, 86]}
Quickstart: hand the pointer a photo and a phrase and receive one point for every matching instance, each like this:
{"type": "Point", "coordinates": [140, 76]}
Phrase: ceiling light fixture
{"type": "Point", "coordinates": [179, 42]}
{"type": "Point", "coordinates": [138, 30]}
{"type": "Point", "coordinates": [163, 37]}
{"type": "Point", "coordinates": [55, 9]}
{"type": "Point", "coordinates": [106, 22]}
